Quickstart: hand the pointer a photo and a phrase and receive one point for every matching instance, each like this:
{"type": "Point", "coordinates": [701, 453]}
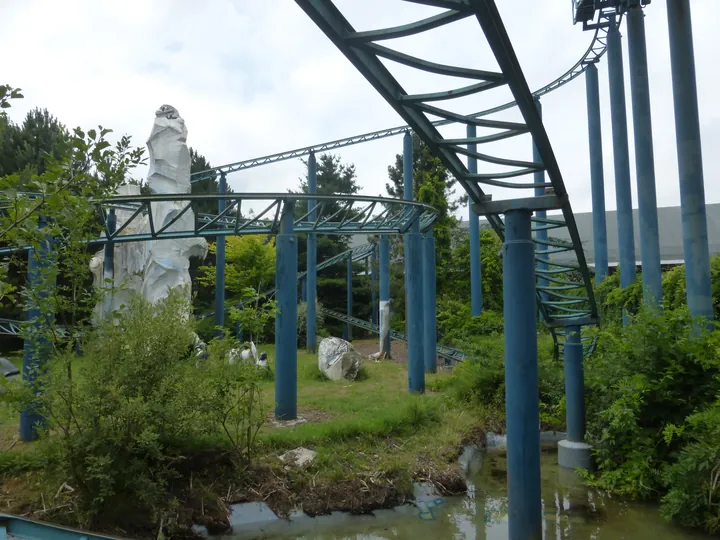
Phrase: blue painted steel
{"type": "Point", "coordinates": [37, 348]}
{"type": "Point", "coordinates": [384, 291]}
{"type": "Point", "coordinates": [592, 54]}
{"type": "Point", "coordinates": [474, 226]}
{"type": "Point", "coordinates": [621, 156]}
{"type": "Point", "coordinates": [430, 302]}
{"type": "Point", "coordinates": [541, 234]}
{"type": "Point", "coordinates": [109, 263]}
{"type": "Point", "coordinates": [414, 314]}
{"type": "Point", "coordinates": [20, 528]}
{"type": "Point", "coordinates": [373, 287]}
{"type": "Point", "coordinates": [286, 321]}
{"type": "Point", "coordinates": [348, 328]}
{"type": "Point", "coordinates": [311, 318]}
{"type": "Point", "coordinates": [597, 183]}
{"type": "Point", "coordinates": [521, 378]}
{"type": "Point", "coordinates": [574, 385]}
{"type": "Point", "coordinates": [644, 160]}
{"type": "Point", "coordinates": [220, 266]}
{"type": "Point", "coordinates": [687, 133]}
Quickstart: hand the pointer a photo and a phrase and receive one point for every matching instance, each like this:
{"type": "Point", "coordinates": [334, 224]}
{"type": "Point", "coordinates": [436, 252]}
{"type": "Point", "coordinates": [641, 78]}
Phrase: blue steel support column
{"type": "Point", "coordinates": [220, 266]}
{"type": "Point", "coordinates": [109, 264]}
{"type": "Point", "coordinates": [626, 238]}
{"type": "Point", "coordinates": [373, 286]}
{"type": "Point", "coordinates": [349, 295]}
{"type": "Point", "coordinates": [539, 178]}
{"type": "Point", "coordinates": [687, 133]}
{"type": "Point", "coordinates": [597, 183]}
{"type": "Point", "coordinates": [521, 378]}
{"type": "Point", "coordinates": [286, 321]}
{"type": "Point", "coordinates": [644, 160]}
{"type": "Point", "coordinates": [311, 276]}
{"type": "Point", "coordinates": [429, 302]}
{"type": "Point", "coordinates": [574, 452]}
{"type": "Point", "coordinates": [36, 346]}
{"type": "Point", "coordinates": [384, 295]}
{"type": "Point", "coordinates": [413, 283]}
{"type": "Point", "coordinates": [474, 226]}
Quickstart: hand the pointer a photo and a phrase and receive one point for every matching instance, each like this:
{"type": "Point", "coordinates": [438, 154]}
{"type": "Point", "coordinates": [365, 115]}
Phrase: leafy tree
{"type": "Point", "coordinates": [7, 93]}
{"type": "Point", "coordinates": [199, 163]}
{"type": "Point", "coordinates": [249, 263]}
{"type": "Point", "coordinates": [433, 185]}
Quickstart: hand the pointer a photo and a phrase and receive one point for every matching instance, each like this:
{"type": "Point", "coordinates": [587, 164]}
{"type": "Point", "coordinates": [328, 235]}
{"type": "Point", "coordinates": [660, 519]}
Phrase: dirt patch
{"type": "Point", "coordinates": [398, 349]}
{"type": "Point", "coordinates": [305, 415]}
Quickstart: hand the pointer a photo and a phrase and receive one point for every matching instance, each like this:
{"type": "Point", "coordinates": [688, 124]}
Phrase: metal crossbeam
{"type": "Point", "coordinates": [356, 215]}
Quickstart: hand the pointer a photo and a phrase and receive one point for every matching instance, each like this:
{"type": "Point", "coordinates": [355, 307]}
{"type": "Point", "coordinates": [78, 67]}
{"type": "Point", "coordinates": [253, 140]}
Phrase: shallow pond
{"type": "Point", "coordinates": [570, 511]}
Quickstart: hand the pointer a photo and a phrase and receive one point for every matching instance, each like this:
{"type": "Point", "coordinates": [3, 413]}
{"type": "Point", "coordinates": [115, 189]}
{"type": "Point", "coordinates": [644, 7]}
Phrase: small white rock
{"type": "Point", "coordinates": [300, 457]}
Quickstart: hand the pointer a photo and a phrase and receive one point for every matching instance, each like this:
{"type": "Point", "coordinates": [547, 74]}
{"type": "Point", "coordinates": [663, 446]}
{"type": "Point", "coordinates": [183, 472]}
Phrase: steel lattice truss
{"type": "Point", "coordinates": [594, 52]}
{"type": "Point", "coordinates": [563, 298]}
{"type": "Point", "coordinates": [335, 215]}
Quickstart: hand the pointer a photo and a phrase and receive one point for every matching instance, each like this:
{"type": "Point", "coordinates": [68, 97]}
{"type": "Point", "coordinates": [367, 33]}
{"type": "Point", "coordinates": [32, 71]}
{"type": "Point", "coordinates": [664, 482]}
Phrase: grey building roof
{"type": "Point", "coordinates": [671, 244]}
{"type": "Point", "coordinates": [671, 241]}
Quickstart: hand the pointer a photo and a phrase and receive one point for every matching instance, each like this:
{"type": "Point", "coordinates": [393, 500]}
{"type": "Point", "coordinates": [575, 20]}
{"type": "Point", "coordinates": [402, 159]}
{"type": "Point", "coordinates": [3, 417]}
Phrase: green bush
{"type": "Point", "coordinates": [119, 428]}
{"type": "Point", "coordinates": [643, 380]}
{"type": "Point", "coordinates": [302, 322]}
{"type": "Point", "coordinates": [455, 323]}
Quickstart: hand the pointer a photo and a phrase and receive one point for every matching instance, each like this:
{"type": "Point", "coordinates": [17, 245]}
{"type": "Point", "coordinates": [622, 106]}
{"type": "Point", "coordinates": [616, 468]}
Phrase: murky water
{"type": "Point", "coordinates": [570, 511]}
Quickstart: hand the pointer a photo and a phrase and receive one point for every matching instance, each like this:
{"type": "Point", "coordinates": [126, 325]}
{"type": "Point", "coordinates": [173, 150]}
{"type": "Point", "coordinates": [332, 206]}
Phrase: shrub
{"type": "Point", "coordinates": [138, 401]}
{"type": "Point", "coordinates": [455, 323]}
{"type": "Point", "coordinates": [643, 379]}
{"type": "Point", "coordinates": [302, 322]}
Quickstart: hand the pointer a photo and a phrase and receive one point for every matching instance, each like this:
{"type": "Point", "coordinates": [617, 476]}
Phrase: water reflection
{"type": "Point", "coordinates": [570, 511]}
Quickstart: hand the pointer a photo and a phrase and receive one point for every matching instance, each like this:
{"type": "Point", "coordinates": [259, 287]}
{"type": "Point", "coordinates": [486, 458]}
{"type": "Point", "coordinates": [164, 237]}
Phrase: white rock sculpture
{"type": "Point", "coordinates": [168, 261]}
{"type": "Point", "coordinates": [338, 360]}
{"type": "Point", "coordinates": [155, 267]}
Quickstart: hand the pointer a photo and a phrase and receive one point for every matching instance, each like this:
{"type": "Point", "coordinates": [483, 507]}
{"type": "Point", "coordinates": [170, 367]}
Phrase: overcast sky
{"type": "Point", "coordinates": [254, 78]}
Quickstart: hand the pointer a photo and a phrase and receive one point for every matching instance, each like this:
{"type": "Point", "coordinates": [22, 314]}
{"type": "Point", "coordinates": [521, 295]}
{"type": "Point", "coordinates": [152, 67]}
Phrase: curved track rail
{"type": "Point", "coordinates": [568, 293]}
{"type": "Point", "coordinates": [592, 55]}
{"type": "Point", "coordinates": [335, 215]}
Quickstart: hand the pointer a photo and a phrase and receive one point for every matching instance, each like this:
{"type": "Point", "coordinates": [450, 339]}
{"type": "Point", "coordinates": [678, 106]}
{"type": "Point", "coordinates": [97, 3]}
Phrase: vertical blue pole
{"type": "Point", "coordinates": [687, 133]}
{"type": "Point", "coordinates": [542, 234]}
{"type": "Point", "coordinates": [592, 90]}
{"type": "Point", "coordinates": [373, 286]}
{"type": "Point", "coordinates": [626, 237]}
{"type": "Point", "coordinates": [311, 276]}
{"type": "Point", "coordinates": [474, 226]}
{"type": "Point", "coordinates": [220, 266]}
{"type": "Point", "coordinates": [109, 264]}
{"type": "Point", "coordinates": [414, 314]}
{"type": "Point", "coordinates": [36, 346]}
{"type": "Point", "coordinates": [429, 302]}
{"type": "Point", "coordinates": [286, 321]}
{"type": "Point", "coordinates": [349, 295]}
{"type": "Point", "coordinates": [303, 289]}
{"type": "Point", "coordinates": [521, 378]}
{"type": "Point", "coordinates": [644, 160]}
{"type": "Point", "coordinates": [574, 385]}
{"type": "Point", "coordinates": [384, 307]}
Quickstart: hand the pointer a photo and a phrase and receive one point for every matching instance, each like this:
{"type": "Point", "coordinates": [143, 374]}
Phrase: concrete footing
{"type": "Point", "coordinates": [574, 455]}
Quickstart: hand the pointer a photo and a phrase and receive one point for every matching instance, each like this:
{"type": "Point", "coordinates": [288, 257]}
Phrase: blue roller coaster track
{"type": "Point", "coordinates": [558, 297]}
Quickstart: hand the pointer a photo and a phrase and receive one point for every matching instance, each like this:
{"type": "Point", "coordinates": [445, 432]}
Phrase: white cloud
{"type": "Point", "coordinates": [254, 78]}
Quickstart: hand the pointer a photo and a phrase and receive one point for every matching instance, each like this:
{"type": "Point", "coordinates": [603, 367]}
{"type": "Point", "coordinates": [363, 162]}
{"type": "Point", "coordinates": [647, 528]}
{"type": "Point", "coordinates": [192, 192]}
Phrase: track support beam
{"type": "Point", "coordinates": [37, 348]}
{"type": "Point", "coordinates": [286, 269]}
{"type": "Point", "coordinates": [430, 302]}
{"type": "Point", "coordinates": [621, 157]}
{"type": "Point", "coordinates": [687, 133]}
{"type": "Point", "coordinates": [644, 159]}
{"type": "Point", "coordinates": [474, 226]}
{"type": "Point", "coordinates": [220, 265]}
{"type": "Point", "coordinates": [597, 182]}
{"type": "Point", "coordinates": [311, 278]}
{"type": "Point", "coordinates": [521, 378]}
